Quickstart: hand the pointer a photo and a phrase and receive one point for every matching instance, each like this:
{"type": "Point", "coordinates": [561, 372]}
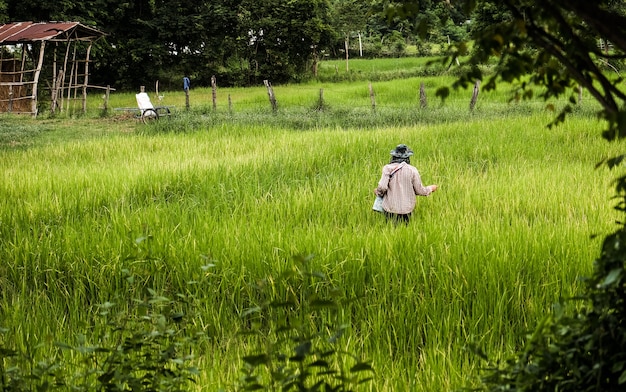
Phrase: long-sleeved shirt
{"type": "Point", "coordinates": [400, 190]}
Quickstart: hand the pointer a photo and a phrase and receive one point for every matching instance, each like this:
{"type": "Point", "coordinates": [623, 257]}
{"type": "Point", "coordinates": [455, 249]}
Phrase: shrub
{"type": "Point", "coordinates": [146, 349]}
{"type": "Point", "coordinates": [297, 339]}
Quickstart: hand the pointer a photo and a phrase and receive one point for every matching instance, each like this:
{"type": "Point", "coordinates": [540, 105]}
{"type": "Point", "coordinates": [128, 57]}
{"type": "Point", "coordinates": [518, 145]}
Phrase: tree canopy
{"type": "Point", "coordinates": [242, 42]}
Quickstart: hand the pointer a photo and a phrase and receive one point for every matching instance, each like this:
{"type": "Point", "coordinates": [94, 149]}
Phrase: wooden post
{"type": "Point", "coordinates": [23, 66]}
{"type": "Point", "coordinates": [55, 91]}
{"type": "Point", "coordinates": [10, 107]}
{"type": "Point", "coordinates": [75, 86]}
{"type": "Point", "coordinates": [315, 61]}
{"type": "Point", "coordinates": [372, 96]}
{"type": "Point", "coordinates": [86, 78]}
{"type": "Point", "coordinates": [84, 99]}
{"type": "Point", "coordinates": [21, 90]}
{"type": "Point", "coordinates": [106, 99]}
{"type": "Point", "coordinates": [347, 44]}
{"type": "Point", "coordinates": [36, 78]}
{"type": "Point", "coordinates": [61, 105]}
{"type": "Point", "coordinates": [70, 83]}
{"type": "Point", "coordinates": [270, 93]}
{"type": "Point", "coordinates": [230, 104]}
{"type": "Point", "coordinates": [320, 101]}
{"type": "Point", "coordinates": [214, 91]}
{"type": "Point", "coordinates": [54, 72]}
{"type": "Point", "coordinates": [423, 102]}
{"type": "Point", "coordinates": [475, 95]}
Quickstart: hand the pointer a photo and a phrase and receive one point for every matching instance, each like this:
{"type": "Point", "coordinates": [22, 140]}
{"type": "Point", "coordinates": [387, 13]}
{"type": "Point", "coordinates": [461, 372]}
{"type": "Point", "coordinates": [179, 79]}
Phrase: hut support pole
{"type": "Point", "coordinates": [86, 79]}
{"type": "Point", "coordinates": [62, 83]}
{"type": "Point", "coordinates": [22, 66]}
{"type": "Point", "coordinates": [36, 78]}
{"type": "Point", "coordinates": [70, 83]}
{"type": "Point", "coordinates": [54, 66]}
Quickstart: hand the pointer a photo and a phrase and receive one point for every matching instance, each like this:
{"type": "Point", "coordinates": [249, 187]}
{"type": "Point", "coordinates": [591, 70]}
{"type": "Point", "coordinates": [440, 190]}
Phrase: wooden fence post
{"type": "Point", "coordinates": [270, 93]}
{"type": "Point", "coordinates": [347, 46]}
{"type": "Point", "coordinates": [475, 95]}
{"type": "Point", "coordinates": [230, 104]}
{"type": "Point", "coordinates": [423, 102]}
{"type": "Point", "coordinates": [320, 102]}
{"type": "Point", "coordinates": [372, 96]}
{"type": "Point", "coordinates": [107, 94]}
{"type": "Point", "coordinates": [159, 96]}
{"type": "Point", "coordinates": [214, 91]}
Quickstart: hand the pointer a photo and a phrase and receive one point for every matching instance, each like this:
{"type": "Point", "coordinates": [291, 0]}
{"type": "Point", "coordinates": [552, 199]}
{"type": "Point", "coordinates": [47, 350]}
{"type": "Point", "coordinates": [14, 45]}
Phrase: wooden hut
{"type": "Point", "coordinates": [23, 48]}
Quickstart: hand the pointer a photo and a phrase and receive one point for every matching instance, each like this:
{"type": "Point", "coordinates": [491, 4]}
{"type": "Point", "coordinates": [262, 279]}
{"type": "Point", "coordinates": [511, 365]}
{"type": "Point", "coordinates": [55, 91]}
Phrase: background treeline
{"type": "Point", "coordinates": [241, 42]}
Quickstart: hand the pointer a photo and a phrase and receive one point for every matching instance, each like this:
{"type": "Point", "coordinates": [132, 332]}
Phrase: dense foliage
{"type": "Point", "coordinates": [241, 42]}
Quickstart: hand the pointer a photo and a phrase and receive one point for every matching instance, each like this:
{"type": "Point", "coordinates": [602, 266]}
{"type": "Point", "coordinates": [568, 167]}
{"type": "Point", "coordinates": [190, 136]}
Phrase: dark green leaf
{"type": "Point", "coordinates": [612, 277]}
{"type": "Point", "coordinates": [319, 363]}
{"type": "Point", "coordinates": [360, 367]}
{"type": "Point", "coordinates": [255, 360]}
{"type": "Point", "coordinates": [443, 93]}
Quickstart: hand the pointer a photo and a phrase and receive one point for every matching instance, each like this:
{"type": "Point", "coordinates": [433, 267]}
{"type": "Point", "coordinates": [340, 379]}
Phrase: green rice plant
{"type": "Point", "coordinates": [508, 235]}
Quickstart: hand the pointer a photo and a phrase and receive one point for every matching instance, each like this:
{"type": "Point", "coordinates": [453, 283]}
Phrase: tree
{"type": "Point", "coordinates": [283, 37]}
{"type": "Point", "coordinates": [349, 17]}
{"type": "Point", "coordinates": [4, 17]}
{"type": "Point", "coordinates": [240, 41]}
{"type": "Point", "coordinates": [224, 46]}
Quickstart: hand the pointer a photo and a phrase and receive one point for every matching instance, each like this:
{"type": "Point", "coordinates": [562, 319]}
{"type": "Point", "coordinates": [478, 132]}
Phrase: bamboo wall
{"type": "Point", "coordinates": [15, 91]}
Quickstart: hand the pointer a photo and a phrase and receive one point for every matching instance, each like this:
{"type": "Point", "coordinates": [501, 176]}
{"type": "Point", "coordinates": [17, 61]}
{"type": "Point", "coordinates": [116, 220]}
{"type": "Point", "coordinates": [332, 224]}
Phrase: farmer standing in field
{"type": "Point", "coordinates": [399, 184]}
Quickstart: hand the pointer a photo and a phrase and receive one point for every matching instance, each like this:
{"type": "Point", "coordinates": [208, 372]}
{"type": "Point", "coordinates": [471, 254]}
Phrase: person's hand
{"type": "Point", "coordinates": [434, 187]}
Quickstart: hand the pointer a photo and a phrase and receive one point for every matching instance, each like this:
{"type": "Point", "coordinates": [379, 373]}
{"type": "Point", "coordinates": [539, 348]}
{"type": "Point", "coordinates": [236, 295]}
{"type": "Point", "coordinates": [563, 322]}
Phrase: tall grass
{"type": "Point", "coordinates": [507, 235]}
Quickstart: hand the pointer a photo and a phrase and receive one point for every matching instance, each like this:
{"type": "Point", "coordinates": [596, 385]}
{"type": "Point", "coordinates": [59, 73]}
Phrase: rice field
{"type": "Point", "coordinates": [213, 202]}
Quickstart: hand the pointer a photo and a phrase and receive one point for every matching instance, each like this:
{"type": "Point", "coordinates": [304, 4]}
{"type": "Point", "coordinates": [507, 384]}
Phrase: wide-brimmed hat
{"type": "Point", "coordinates": [401, 151]}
